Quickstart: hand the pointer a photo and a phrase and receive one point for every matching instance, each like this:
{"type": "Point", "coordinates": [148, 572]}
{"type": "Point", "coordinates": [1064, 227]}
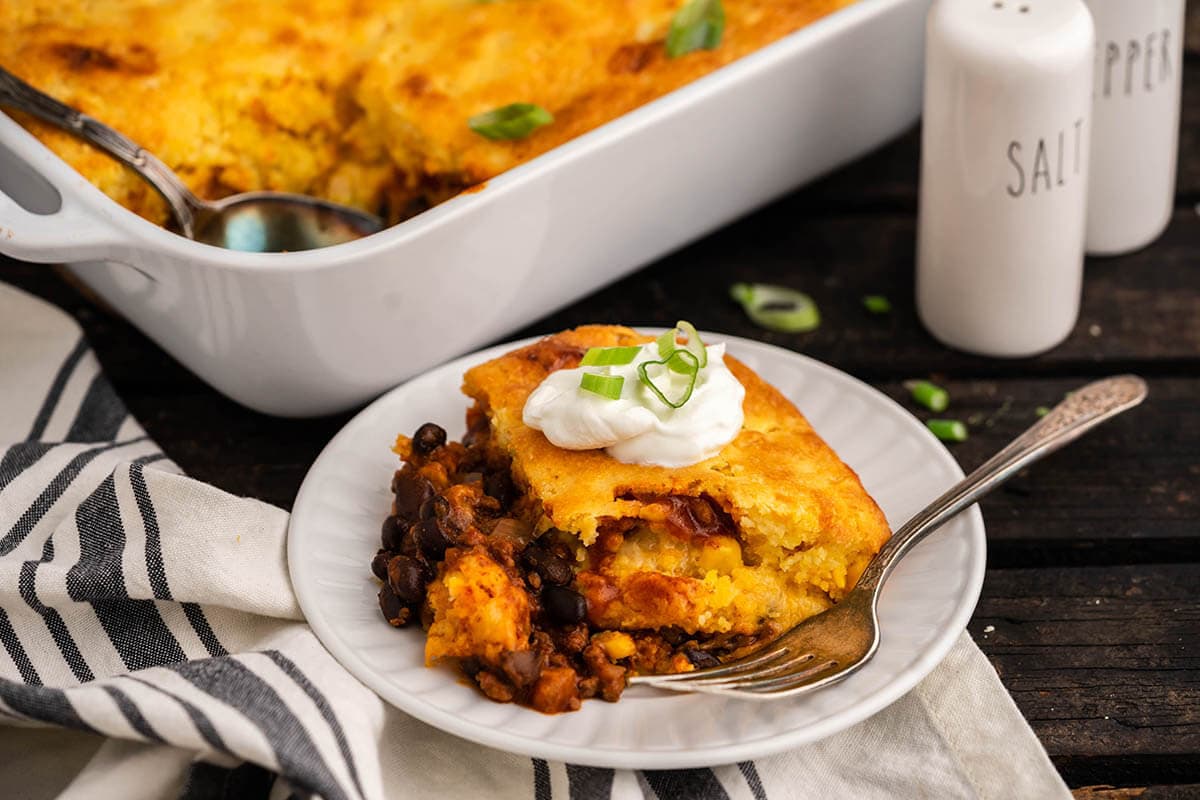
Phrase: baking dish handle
{"type": "Point", "coordinates": [69, 233]}
{"type": "Point", "coordinates": [42, 217]}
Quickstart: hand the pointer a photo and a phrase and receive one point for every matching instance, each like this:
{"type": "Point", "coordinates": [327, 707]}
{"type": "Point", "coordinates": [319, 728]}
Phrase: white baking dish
{"type": "Point", "coordinates": [300, 334]}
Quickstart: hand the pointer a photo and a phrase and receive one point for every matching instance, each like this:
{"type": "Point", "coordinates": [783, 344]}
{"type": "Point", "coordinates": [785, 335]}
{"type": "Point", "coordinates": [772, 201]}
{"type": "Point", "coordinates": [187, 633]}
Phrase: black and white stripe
{"type": "Point", "coordinates": [55, 391]}
{"type": "Point", "coordinates": [104, 629]}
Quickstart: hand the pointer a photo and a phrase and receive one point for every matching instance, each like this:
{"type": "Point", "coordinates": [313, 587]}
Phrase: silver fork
{"type": "Point", "coordinates": [835, 644]}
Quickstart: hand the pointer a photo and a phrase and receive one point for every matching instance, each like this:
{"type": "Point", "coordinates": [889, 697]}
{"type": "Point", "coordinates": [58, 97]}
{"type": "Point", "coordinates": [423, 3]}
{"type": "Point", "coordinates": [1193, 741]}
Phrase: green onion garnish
{"type": "Point", "coordinates": [1041, 411]}
{"type": "Point", "coordinates": [777, 308]}
{"type": "Point", "coordinates": [514, 121]}
{"type": "Point", "coordinates": [948, 430]}
{"type": "Point", "coordinates": [609, 356]}
{"type": "Point", "coordinates": [696, 26]}
{"type": "Point", "coordinates": [930, 395]}
{"type": "Point", "coordinates": [681, 361]}
{"type": "Point", "coordinates": [877, 304]}
{"type": "Point", "coordinates": [667, 345]}
{"type": "Point", "coordinates": [604, 385]}
{"type": "Point", "coordinates": [694, 345]}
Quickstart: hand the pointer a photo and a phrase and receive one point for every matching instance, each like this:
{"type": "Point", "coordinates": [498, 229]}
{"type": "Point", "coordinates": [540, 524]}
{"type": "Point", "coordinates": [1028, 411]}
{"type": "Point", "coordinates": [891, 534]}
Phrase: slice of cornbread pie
{"type": "Point", "coordinates": [619, 504]}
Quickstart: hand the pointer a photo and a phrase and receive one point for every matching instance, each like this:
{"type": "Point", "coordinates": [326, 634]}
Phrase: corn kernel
{"type": "Point", "coordinates": [616, 645]}
{"type": "Point", "coordinates": [720, 553]}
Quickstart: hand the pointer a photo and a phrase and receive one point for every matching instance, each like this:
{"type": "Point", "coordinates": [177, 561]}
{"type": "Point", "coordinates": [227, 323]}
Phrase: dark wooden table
{"type": "Point", "coordinates": [1090, 609]}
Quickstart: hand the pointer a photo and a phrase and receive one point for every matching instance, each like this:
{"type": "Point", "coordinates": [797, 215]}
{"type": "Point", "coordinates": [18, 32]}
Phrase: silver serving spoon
{"type": "Point", "coordinates": [264, 222]}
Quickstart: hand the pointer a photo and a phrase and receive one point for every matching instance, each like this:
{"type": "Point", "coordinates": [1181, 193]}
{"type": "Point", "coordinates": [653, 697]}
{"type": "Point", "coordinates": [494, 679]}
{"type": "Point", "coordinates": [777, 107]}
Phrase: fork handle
{"type": "Point", "coordinates": [1081, 411]}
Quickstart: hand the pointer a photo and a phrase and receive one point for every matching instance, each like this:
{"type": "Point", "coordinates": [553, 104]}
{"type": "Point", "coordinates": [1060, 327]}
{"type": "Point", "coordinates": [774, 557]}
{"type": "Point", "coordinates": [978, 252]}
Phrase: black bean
{"type": "Point", "coordinates": [394, 611]}
{"type": "Point", "coordinates": [551, 568]}
{"type": "Point", "coordinates": [409, 546]}
{"type": "Point", "coordinates": [379, 565]}
{"type": "Point", "coordinates": [432, 539]}
{"type": "Point", "coordinates": [429, 437]}
{"type": "Point", "coordinates": [412, 490]}
{"type": "Point", "coordinates": [673, 636]}
{"type": "Point", "coordinates": [701, 658]}
{"type": "Point", "coordinates": [436, 506]}
{"type": "Point", "coordinates": [406, 576]}
{"type": "Point", "coordinates": [564, 605]}
{"type": "Point", "coordinates": [392, 532]}
{"type": "Point", "coordinates": [500, 486]}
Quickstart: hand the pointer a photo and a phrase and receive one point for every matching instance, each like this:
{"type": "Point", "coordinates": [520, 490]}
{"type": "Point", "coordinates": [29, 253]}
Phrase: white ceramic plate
{"type": "Point", "coordinates": [925, 604]}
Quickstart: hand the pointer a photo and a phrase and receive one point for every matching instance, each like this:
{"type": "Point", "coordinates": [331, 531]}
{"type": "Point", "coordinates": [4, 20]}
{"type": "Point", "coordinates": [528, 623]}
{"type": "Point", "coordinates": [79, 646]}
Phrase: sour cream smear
{"type": "Point", "coordinates": [637, 427]}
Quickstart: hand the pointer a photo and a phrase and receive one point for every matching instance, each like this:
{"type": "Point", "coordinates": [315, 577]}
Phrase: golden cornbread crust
{"type": "Point", "coordinates": [805, 525]}
{"type": "Point", "coordinates": [362, 103]}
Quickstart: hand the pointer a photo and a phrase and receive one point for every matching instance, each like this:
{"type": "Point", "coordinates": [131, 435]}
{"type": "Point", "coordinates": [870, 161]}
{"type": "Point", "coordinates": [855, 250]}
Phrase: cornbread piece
{"type": "Point", "coordinates": [360, 103]}
{"type": "Point", "coordinates": [478, 610]}
{"type": "Point", "coordinates": [773, 529]}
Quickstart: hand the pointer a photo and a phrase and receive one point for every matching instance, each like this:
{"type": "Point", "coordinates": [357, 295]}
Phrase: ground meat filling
{"type": "Point", "coordinates": [453, 499]}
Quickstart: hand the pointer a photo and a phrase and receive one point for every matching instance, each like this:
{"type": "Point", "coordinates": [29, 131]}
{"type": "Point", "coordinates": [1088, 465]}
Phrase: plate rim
{"type": "Point", "coordinates": [866, 706]}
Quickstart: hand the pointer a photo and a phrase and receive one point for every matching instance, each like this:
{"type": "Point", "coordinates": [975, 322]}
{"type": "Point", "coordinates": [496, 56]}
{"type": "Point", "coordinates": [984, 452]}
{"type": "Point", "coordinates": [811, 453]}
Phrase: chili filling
{"type": "Point", "coordinates": [463, 552]}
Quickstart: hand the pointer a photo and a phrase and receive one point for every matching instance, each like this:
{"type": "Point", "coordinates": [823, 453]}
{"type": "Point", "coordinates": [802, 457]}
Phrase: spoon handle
{"type": "Point", "coordinates": [16, 93]}
{"type": "Point", "coordinates": [1081, 411]}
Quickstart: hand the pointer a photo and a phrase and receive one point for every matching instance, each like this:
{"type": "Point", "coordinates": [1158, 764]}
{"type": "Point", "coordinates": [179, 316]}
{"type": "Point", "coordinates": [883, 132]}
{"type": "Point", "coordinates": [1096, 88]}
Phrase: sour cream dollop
{"type": "Point", "coordinates": [638, 428]}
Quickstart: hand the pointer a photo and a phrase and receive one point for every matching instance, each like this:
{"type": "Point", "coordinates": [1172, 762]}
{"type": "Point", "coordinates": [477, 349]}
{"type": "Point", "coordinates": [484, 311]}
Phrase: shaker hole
{"type": "Point", "coordinates": [1024, 9]}
{"type": "Point", "coordinates": [997, 4]}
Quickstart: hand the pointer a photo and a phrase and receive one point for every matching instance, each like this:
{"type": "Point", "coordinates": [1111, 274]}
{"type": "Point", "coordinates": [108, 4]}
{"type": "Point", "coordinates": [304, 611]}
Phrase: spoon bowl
{"type": "Point", "coordinates": [276, 222]}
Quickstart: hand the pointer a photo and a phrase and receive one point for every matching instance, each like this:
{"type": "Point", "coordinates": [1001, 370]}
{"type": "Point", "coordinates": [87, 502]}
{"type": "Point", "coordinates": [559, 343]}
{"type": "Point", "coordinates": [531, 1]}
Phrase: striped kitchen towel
{"type": "Point", "coordinates": [151, 646]}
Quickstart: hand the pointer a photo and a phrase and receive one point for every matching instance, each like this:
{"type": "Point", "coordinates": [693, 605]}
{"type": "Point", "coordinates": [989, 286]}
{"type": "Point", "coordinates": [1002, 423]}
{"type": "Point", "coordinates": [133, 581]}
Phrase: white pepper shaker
{"type": "Point", "coordinates": [1004, 163]}
{"type": "Point", "coordinates": [1135, 122]}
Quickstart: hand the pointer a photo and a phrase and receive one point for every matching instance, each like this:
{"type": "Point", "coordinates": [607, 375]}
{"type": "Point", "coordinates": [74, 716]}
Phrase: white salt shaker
{"type": "Point", "coordinates": [1004, 167]}
{"type": "Point", "coordinates": [1135, 125]}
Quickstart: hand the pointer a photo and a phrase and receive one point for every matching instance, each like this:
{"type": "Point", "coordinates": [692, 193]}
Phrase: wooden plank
{"type": "Point", "coordinates": [1141, 309]}
{"type": "Point", "coordinates": [1105, 665]}
{"type": "Point", "coordinates": [1127, 492]}
{"type": "Point", "coordinates": [1189, 792]}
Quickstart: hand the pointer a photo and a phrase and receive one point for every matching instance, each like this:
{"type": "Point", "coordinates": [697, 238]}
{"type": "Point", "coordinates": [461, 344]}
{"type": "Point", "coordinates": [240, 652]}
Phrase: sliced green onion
{"type": "Point", "coordinates": [743, 292]}
{"type": "Point", "coordinates": [696, 26]}
{"type": "Point", "coordinates": [679, 362]}
{"type": "Point", "coordinates": [666, 343]}
{"type": "Point", "coordinates": [1041, 411]}
{"type": "Point", "coordinates": [604, 385]}
{"type": "Point", "coordinates": [667, 346]}
{"type": "Point", "coordinates": [694, 345]}
{"type": "Point", "coordinates": [513, 121]}
{"type": "Point", "coordinates": [948, 430]}
{"type": "Point", "coordinates": [609, 356]}
{"type": "Point", "coordinates": [877, 304]}
{"type": "Point", "coordinates": [687, 361]}
{"type": "Point", "coordinates": [777, 308]}
{"type": "Point", "coordinates": [930, 395]}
